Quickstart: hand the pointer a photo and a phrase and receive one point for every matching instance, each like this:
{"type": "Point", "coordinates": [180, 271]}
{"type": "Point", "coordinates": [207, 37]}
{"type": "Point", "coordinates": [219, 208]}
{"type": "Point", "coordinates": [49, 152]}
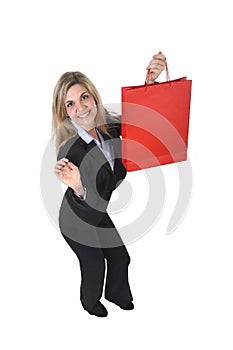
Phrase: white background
{"type": "Point", "coordinates": [182, 283]}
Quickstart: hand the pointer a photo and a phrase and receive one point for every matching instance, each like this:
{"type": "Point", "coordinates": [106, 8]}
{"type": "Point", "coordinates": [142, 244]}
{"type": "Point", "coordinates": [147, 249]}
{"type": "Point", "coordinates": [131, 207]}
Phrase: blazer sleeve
{"type": "Point", "coordinates": [93, 208]}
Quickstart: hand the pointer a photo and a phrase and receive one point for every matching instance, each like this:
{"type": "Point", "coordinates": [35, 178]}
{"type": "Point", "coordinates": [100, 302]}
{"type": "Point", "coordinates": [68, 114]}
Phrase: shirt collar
{"type": "Point", "coordinates": [82, 133]}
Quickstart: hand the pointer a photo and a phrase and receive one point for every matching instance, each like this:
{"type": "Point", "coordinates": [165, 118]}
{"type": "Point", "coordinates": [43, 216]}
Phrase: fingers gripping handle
{"type": "Point", "coordinates": [148, 75]}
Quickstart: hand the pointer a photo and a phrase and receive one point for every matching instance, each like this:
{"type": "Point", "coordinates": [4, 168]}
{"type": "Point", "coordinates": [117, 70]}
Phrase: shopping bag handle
{"type": "Point", "coordinates": [148, 74]}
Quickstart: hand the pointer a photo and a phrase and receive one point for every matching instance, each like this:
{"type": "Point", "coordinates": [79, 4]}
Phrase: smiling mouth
{"type": "Point", "coordinates": [84, 115]}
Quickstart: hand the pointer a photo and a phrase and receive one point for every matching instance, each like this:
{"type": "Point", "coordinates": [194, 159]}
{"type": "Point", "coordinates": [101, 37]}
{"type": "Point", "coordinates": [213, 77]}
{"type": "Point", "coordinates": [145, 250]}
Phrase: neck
{"type": "Point", "coordinates": [93, 133]}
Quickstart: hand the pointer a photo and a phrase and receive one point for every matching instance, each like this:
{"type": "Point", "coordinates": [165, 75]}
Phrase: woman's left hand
{"type": "Point", "coordinates": [156, 66]}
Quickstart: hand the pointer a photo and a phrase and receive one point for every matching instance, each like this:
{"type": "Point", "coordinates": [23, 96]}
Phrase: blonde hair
{"type": "Point", "coordinates": [62, 129]}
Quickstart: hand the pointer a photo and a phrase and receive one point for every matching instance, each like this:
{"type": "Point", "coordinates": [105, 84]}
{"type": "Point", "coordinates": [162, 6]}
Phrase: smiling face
{"type": "Point", "coordinates": [81, 107]}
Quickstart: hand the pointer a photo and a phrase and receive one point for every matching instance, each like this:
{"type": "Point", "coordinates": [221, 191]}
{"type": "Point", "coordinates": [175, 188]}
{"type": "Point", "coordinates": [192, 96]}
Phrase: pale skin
{"type": "Point", "coordinates": [156, 66]}
{"type": "Point", "coordinates": [81, 108]}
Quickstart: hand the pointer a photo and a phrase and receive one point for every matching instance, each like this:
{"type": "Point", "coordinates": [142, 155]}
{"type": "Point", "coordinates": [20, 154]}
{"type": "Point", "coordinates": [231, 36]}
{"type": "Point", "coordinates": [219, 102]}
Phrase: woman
{"type": "Point", "coordinates": [89, 163]}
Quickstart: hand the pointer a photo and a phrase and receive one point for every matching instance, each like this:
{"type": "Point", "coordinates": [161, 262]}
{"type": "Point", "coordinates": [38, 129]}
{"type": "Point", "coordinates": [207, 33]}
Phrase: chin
{"type": "Point", "coordinates": [88, 125]}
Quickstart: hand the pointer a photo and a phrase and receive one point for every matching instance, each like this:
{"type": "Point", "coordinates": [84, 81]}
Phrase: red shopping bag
{"type": "Point", "coordinates": [155, 123]}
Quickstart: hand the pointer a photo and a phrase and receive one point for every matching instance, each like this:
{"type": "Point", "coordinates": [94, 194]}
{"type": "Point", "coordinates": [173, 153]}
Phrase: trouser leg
{"type": "Point", "coordinates": [117, 287]}
{"type": "Point", "coordinates": [92, 265]}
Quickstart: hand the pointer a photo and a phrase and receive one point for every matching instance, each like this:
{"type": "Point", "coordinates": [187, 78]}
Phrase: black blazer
{"type": "Point", "coordinates": [86, 221]}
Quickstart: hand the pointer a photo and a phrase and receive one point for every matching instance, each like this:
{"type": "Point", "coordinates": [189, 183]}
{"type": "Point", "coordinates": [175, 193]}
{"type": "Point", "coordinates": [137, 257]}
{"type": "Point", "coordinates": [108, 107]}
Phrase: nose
{"type": "Point", "coordinates": [80, 106]}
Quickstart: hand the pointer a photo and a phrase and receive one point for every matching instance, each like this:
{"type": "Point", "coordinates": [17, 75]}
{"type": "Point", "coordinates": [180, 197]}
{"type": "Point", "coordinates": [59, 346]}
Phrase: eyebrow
{"type": "Point", "coordinates": [68, 101]}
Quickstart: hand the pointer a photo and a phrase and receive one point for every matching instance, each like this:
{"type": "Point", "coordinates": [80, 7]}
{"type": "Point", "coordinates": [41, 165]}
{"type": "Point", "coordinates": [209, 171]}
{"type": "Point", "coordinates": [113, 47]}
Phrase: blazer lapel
{"type": "Point", "coordinates": [97, 155]}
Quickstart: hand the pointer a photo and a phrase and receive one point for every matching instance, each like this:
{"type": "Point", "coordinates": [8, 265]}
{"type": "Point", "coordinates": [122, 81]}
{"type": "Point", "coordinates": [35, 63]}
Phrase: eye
{"type": "Point", "coordinates": [69, 104]}
{"type": "Point", "coordinates": [85, 97]}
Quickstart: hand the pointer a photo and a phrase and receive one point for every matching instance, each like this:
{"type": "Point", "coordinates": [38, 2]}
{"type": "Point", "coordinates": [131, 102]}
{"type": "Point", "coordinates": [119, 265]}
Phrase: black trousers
{"type": "Point", "coordinates": [93, 263]}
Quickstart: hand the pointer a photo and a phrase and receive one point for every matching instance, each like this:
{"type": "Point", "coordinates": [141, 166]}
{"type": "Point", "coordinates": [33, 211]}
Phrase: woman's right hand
{"type": "Point", "coordinates": [69, 174]}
